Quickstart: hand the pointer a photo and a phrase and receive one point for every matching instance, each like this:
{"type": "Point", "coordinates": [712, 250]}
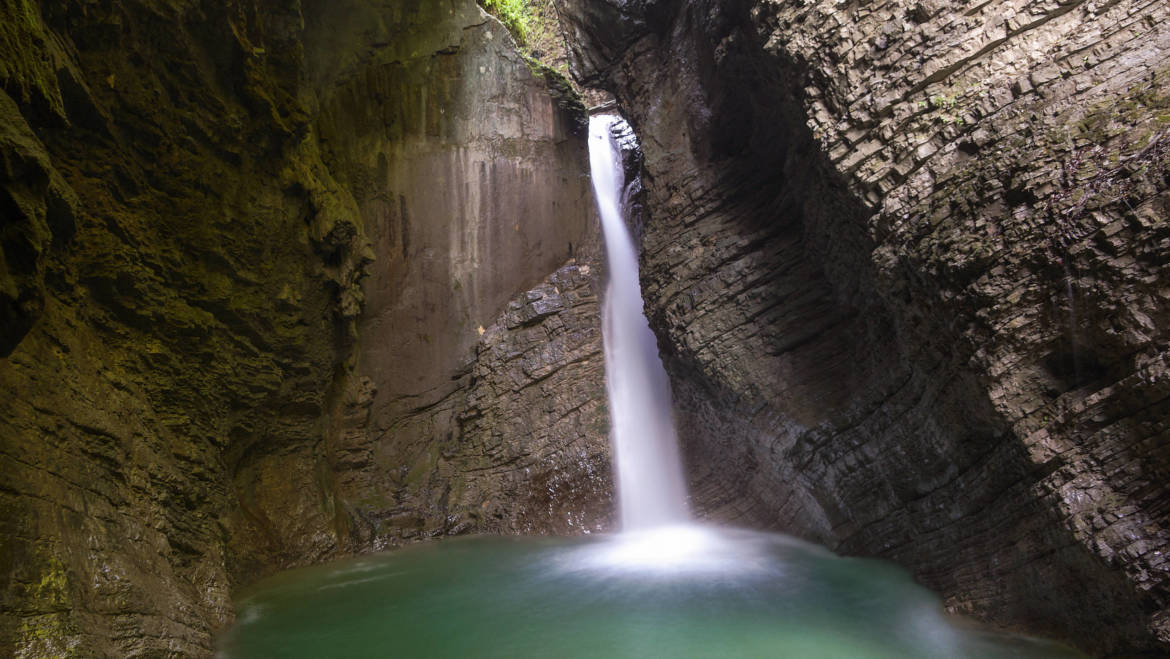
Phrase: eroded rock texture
{"type": "Point", "coordinates": [198, 200]}
{"type": "Point", "coordinates": [466, 164]}
{"type": "Point", "coordinates": [908, 264]}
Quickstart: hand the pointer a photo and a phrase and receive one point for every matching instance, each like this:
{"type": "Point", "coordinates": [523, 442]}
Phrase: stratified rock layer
{"type": "Point", "coordinates": [469, 178]}
{"type": "Point", "coordinates": [198, 200]}
{"type": "Point", "coordinates": [908, 263]}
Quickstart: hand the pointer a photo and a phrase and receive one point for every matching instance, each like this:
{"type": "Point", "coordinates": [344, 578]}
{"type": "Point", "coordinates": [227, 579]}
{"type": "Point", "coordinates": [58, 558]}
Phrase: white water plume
{"type": "Point", "coordinates": [650, 482]}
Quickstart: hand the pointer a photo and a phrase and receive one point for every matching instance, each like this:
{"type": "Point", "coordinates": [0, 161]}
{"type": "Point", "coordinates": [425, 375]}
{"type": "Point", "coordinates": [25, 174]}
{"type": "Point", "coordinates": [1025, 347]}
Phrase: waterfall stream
{"type": "Point", "coordinates": [649, 472]}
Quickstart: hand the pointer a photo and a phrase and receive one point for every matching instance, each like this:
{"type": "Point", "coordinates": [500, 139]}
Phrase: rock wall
{"type": "Point", "coordinates": [199, 200]}
{"type": "Point", "coordinates": [187, 308]}
{"type": "Point", "coordinates": [907, 263]}
{"type": "Point", "coordinates": [466, 163]}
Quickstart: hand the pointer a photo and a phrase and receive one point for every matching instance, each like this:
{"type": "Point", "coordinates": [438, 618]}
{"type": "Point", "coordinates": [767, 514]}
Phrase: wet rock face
{"type": "Point", "coordinates": [173, 306]}
{"type": "Point", "coordinates": [228, 229]}
{"type": "Point", "coordinates": [907, 265]}
{"type": "Point", "coordinates": [519, 444]}
{"type": "Point", "coordinates": [39, 211]}
{"type": "Point", "coordinates": [470, 181]}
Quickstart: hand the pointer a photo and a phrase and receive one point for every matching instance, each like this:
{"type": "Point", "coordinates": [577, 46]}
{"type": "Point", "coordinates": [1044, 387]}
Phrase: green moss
{"type": "Point", "coordinates": [1138, 116]}
{"type": "Point", "coordinates": [50, 593]}
{"type": "Point", "coordinates": [51, 633]}
{"type": "Point", "coordinates": [28, 55]}
{"type": "Point", "coordinates": [51, 636]}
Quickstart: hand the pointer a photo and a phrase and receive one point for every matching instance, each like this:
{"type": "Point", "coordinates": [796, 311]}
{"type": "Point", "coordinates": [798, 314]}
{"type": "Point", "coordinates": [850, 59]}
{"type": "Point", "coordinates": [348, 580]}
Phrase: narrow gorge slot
{"type": "Point", "coordinates": [665, 586]}
{"type": "Point", "coordinates": [584, 328]}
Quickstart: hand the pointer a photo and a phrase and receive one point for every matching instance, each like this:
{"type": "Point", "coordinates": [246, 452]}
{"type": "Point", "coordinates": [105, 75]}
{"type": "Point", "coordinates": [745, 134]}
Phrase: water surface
{"type": "Point", "coordinates": [681, 592]}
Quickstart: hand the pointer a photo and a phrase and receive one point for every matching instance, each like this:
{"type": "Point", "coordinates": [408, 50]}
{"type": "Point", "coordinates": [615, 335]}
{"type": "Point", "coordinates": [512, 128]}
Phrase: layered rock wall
{"type": "Point", "coordinates": [199, 199]}
{"type": "Point", "coordinates": [908, 266]}
{"type": "Point", "coordinates": [188, 308]}
{"type": "Point", "coordinates": [465, 162]}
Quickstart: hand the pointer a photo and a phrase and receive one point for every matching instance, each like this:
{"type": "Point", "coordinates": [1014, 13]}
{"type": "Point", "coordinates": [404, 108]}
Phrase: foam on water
{"type": "Point", "coordinates": [683, 551]}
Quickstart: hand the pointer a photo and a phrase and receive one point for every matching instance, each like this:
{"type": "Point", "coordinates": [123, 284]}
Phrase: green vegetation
{"type": "Point", "coordinates": [514, 14]}
{"type": "Point", "coordinates": [50, 632]}
{"type": "Point", "coordinates": [533, 23]}
{"type": "Point", "coordinates": [536, 27]}
{"type": "Point", "coordinates": [947, 106]}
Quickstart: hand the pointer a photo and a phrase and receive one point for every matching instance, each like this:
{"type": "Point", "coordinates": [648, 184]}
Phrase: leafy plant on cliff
{"type": "Point", "coordinates": [533, 23]}
{"type": "Point", "coordinates": [514, 14]}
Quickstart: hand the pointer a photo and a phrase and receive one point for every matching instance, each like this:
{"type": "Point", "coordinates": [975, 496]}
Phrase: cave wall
{"type": "Point", "coordinates": [466, 164]}
{"type": "Point", "coordinates": [907, 265]}
{"type": "Point", "coordinates": [489, 187]}
{"type": "Point", "coordinates": [188, 308]}
{"type": "Point", "coordinates": [208, 298]}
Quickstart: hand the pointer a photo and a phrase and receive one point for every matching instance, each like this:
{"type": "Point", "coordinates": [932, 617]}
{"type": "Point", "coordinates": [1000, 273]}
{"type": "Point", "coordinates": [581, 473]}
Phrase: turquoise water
{"type": "Point", "coordinates": [684, 593]}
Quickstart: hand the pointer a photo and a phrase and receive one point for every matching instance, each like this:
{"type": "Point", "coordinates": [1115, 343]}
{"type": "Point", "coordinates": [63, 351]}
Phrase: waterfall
{"type": "Point", "coordinates": [649, 472]}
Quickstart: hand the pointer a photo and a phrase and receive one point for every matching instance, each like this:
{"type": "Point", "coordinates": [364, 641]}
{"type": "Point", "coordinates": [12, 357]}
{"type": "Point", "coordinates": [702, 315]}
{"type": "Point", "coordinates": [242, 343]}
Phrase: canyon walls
{"type": "Point", "coordinates": [280, 281]}
{"type": "Point", "coordinates": [463, 408]}
{"type": "Point", "coordinates": [907, 264]}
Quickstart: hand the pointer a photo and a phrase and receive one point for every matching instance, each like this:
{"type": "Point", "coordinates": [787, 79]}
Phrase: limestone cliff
{"type": "Point", "coordinates": [469, 179]}
{"type": "Point", "coordinates": [908, 264]}
{"type": "Point", "coordinates": [200, 200]}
